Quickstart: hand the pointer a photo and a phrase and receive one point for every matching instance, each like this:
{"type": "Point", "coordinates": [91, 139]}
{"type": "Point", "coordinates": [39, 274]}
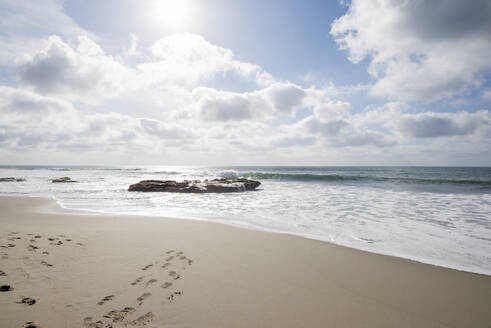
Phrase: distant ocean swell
{"type": "Point", "coordinates": [347, 178]}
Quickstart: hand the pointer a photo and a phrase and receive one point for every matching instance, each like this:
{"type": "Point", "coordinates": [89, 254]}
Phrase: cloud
{"type": "Point", "coordinates": [288, 141]}
{"type": "Point", "coordinates": [432, 125]}
{"type": "Point", "coordinates": [276, 99]}
{"type": "Point", "coordinates": [31, 121]}
{"type": "Point", "coordinates": [81, 71]}
{"type": "Point", "coordinates": [342, 133]}
{"type": "Point", "coordinates": [166, 131]}
{"type": "Point", "coordinates": [486, 94]}
{"type": "Point", "coordinates": [25, 23]}
{"type": "Point", "coordinates": [230, 108]}
{"type": "Point", "coordinates": [285, 97]}
{"type": "Point", "coordinates": [331, 110]}
{"type": "Point", "coordinates": [418, 50]}
{"type": "Point", "coordinates": [73, 72]}
{"type": "Point", "coordinates": [189, 59]}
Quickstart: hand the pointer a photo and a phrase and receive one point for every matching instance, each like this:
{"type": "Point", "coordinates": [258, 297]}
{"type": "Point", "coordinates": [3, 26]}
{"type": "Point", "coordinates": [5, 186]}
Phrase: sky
{"type": "Point", "coordinates": [245, 82]}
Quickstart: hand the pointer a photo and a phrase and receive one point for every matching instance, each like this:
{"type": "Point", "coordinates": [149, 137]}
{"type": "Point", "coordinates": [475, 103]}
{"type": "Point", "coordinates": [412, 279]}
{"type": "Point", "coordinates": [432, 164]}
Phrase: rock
{"type": "Point", "coordinates": [63, 180]}
{"type": "Point", "coordinates": [12, 179]}
{"type": "Point", "coordinates": [196, 186]}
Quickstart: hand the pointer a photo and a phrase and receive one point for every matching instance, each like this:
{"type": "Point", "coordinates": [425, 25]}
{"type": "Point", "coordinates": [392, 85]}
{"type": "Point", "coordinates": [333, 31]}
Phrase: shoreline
{"type": "Point", "coordinates": [237, 277]}
{"type": "Point", "coordinates": [248, 226]}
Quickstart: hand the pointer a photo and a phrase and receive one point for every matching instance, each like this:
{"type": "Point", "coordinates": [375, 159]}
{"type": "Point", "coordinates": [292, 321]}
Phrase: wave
{"type": "Point", "coordinates": [358, 178]}
{"type": "Point", "coordinates": [59, 169]}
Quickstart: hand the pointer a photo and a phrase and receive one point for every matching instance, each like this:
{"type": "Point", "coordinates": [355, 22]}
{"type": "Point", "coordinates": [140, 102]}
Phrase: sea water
{"type": "Point", "coordinates": [436, 215]}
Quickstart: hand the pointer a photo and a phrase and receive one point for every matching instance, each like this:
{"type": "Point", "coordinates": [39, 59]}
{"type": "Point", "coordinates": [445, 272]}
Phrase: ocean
{"type": "Point", "coordinates": [436, 215]}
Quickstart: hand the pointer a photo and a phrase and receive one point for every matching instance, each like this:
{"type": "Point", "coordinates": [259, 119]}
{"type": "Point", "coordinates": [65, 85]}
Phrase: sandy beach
{"type": "Point", "coordinates": [72, 269]}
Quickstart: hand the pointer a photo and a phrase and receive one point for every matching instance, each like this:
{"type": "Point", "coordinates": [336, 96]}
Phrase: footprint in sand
{"type": "Point", "coordinates": [6, 288]}
{"type": "Point", "coordinates": [165, 265]}
{"type": "Point", "coordinates": [46, 264]}
{"type": "Point", "coordinates": [147, 267]}
{"type": "Point", "coordinates": [37, 236]}
{"type": "Point", "coordinates": [144, 319]}
{"type": "Point", "coordinates": [98, 324]}
{"type": "Point", "coordinates": [169, 252]}
{"type": "Point", "coordinates": [137, 280]}
{"type": "Point", "coordinates": [105, 299]}
{"type": "Point", "coordinates": [2, 273]}
{"type": "Point", "coordinates": [118, 316]}
{"type": "Point", "coordinates": [151, 281]}
{"type": "Point", "coordinates": [166, 285]}
{"type": "Point", "coordinates": [171, 296]}
{"type": "Point", "coordinates": [174, 275]}
{"type": "Point", "coordinates": [169, 258]}
{"type": "Point", "coordinates": [143, 297]}
{"type": "Point", "coordinates": [87, 320]}
{"type": "Point", "coordinates": [27, 300]}
{"type": "Point", "coordinates": [31, 324]}
{"type": "Point", "coordinates": [32, 248]}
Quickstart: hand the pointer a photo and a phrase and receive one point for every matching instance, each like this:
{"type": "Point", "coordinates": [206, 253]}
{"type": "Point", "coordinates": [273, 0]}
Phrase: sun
{"type": "Point", "coordinates": [171, 13]}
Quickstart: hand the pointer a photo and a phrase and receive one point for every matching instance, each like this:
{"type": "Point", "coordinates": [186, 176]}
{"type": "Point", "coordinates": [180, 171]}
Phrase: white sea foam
{"type": "Point", "coordinates": [228, 174]}
{"type": "Point", "coordinates": [445, 227]}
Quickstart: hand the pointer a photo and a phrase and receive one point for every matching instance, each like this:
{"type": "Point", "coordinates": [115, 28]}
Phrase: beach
{"type": "Point", "coordinates": [86, 270]}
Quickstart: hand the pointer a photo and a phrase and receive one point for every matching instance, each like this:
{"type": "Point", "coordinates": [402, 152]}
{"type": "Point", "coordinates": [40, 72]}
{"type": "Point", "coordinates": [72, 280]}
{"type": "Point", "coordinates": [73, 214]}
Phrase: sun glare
{"type": "Point", "coordinates": [171, 13]}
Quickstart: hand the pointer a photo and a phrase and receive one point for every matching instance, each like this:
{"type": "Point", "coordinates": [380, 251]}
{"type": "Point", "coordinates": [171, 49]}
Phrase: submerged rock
{"type": "Point", "coordinates": [196, 186]}
{"type": "Point", "coordinates": [63, 180]}
{"type": "Point", "coordinates": [12, 179]}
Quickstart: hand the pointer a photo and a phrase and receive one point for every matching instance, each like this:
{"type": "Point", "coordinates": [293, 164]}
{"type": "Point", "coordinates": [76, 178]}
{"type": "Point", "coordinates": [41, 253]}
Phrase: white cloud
{"type": "Point", "coordinates": [25, 23]}
{"type": "Point", "coordinates": [189, 59]}
{"type": "Point", "coordinates": [432, 125]}
{"type": "Point", "coordinates": [81, 73]}
{"type": "Point", "coordinates": [486, 94]}
{"type": "Point", "coordinates": [230, 108]}
{"type": "Point", "coordinates": [263, 104]}
{"type": "Point", "coordinates": [331, 110]}
{"type": "Point", "coordinates": [342, 133]}
{"type": "Point", "coordinates": [30, 121]}
{"type": "Point", "coordinates": [285, 97]}
{"type": "Point", "coordinates": [418, 50]}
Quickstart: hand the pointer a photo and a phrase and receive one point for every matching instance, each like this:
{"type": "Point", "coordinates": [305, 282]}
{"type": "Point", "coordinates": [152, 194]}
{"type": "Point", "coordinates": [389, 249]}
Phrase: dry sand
{"type": "Point", "coordinates": [124, 271]}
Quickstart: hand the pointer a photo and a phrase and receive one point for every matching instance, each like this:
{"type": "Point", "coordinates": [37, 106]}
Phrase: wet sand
{"type": "Point", "coordinates": [60, 268]}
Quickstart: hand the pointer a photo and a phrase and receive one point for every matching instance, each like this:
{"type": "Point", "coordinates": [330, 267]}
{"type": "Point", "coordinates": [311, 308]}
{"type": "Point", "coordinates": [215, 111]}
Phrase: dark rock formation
{"type": "Point", "coordinates": [196, 186]}
{"type": "Point", "coordinates": [63, 180]}
{"type": "Point", "coordinates": [12, 179]}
